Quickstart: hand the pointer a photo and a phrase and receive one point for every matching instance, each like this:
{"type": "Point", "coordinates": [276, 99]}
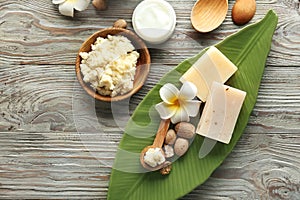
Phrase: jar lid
{"type": "Point", "coordinates": [154, 21]}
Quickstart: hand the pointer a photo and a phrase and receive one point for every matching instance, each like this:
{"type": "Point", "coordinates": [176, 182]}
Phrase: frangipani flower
{"type": "Point", "coordinates": [66, 7]}
{"type": "Point", "coordinates": [178, 104]}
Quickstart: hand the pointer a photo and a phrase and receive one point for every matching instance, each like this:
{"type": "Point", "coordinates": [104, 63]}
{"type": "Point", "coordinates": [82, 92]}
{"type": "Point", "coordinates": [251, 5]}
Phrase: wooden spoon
{"type": "Point", "coordinates": [207, 15]}
{"type": "Point", "coordinates": [158, 142]}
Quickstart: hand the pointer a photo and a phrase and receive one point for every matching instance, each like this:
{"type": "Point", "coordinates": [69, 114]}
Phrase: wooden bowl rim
{"type": "Point", "coordinates": [146, 66]}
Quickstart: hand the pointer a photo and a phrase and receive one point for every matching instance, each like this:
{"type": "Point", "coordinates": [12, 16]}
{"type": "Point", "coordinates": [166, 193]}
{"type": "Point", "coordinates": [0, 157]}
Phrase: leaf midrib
{"type": "Point", "coordinates": [249, 46]}
{"type": "Point", "coordinates": [135, 186]}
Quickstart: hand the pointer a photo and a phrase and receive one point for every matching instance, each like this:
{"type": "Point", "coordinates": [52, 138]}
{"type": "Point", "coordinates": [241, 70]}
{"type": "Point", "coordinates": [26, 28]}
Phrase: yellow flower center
{"type": "Point", "coordinates": [176, 102]}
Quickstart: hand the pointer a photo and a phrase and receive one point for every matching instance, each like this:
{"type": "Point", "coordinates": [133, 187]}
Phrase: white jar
{"type": "Point", "coordinates": [154, 21]}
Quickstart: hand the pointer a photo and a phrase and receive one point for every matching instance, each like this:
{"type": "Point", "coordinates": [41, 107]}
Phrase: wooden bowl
{"type": "Point", "coordinates": [142, 67]}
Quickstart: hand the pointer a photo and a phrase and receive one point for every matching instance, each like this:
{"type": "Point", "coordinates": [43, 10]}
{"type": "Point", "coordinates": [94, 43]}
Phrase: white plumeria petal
{"type": "Point", "coordinates": [169, 93]}
{"type": "Point", "coordinates": [81, 5]}
{"type": "Point", "coordinates": [187, 91]}
{"type": "Point", "coordinates": [180, 115]}
{"type": "Point", "coordinates": [165, 110]}
{"type": "Point", "coordinates": [57, 1]}
{"type": "Point", "coordinates": [66, 8]}
{"type": "Point", "coordinates": [191, 107]}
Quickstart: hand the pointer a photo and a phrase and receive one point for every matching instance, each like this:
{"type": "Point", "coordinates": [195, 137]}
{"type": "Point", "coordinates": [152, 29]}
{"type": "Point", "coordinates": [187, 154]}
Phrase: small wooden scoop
{"type": "Point", "coordinates": [158, 142]}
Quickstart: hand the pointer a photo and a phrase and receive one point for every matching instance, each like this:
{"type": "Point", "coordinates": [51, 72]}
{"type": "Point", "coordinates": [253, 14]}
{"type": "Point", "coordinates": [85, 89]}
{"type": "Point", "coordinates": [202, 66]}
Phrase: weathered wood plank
{"type": "Point", "coordinates": [269, 171]}
{"type": "Point", "coordinates": [48, 142]}
{"type": "Point", "coordinates": [33, 100]}
{"type": "Point", "coordinates": [49, 165]}
{"type": "Point", "coordinates": [37, 36]}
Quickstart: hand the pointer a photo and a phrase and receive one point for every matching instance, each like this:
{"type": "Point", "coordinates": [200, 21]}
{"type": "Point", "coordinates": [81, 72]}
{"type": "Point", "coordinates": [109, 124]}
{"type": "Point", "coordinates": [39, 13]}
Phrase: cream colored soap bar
{"type": "Point", "coordinates": [221, 112]}
{"type": "Point", "coordinates": [212, 66]}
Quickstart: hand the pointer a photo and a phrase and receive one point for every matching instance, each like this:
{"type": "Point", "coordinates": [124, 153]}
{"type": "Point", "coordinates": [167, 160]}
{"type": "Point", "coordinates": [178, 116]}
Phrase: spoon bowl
{"type": "Point", "coordinates": [158, 142]}
{"type": "Point", "coordinates": [207, 15]}
{"type": "Point", "coordinates": [145, 165]}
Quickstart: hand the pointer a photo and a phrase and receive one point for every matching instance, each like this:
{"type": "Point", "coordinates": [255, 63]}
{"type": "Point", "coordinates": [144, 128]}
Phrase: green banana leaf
{"type": "Point", "coordinates": [248, 50]}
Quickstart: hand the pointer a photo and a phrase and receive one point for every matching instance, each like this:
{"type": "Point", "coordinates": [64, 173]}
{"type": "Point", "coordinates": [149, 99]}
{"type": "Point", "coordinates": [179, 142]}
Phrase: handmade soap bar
{"type": "Point", "coordinates": [221, 112]}
{"type": "Point", "coordinates": [213, 65]}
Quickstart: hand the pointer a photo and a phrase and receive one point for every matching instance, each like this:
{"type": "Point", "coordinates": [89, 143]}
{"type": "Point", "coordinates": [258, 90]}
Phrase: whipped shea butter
{"type": "Point", "coordinates": [154, 20]}
{"type": "Point", "coordinates": [110, 66]}
{"type": "Point", "coordinates": [154, 157]}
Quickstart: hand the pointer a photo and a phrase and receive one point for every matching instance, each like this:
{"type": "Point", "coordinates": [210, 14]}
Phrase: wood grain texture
{"type": "Point", "coordinates": [58, 143]}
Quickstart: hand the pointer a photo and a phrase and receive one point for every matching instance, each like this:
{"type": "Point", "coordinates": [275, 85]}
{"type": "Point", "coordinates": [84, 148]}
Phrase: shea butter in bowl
{"type": "Point", "coordinates": [112, 64]}
{"type": "Point", "coordinates": [154, 21]}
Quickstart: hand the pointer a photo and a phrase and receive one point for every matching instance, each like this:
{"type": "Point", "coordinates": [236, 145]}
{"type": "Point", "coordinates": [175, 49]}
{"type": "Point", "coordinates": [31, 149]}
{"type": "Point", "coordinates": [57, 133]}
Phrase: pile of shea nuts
{"type": "Point", "coordinates": [178, 139]}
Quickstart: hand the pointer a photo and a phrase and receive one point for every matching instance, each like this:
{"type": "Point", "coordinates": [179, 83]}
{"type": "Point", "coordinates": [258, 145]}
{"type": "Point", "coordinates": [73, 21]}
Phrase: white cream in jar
{"type": "Point", "coordinates": [154, 21]}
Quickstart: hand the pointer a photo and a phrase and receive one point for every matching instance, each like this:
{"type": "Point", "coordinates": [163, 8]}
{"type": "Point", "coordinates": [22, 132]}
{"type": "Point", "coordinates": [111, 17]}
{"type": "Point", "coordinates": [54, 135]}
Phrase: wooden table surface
{"type": "Point", "coordinates": [48, 149]}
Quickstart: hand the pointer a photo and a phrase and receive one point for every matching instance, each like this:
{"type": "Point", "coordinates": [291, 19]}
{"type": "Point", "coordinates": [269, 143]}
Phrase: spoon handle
{"type": "Point", "coordinates": [161, 133]}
